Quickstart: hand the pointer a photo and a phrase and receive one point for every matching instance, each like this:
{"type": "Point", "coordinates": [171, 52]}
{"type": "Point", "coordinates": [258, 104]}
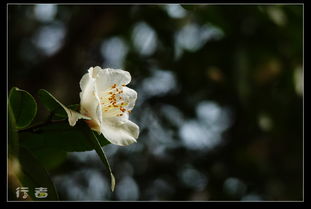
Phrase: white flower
{"type": "Point", "coordinates": [107, 101]}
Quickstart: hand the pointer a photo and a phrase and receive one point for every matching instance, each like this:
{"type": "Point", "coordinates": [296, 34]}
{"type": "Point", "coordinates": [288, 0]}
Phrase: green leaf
{"type": "Point", "coordinates": [50, 102]}
{"type": "Point", "coordinates": [50, 157]}
{"type": "Point", "coordinates": [24, 107]}
{"type": "Point", "coordinates": [56, 107]}
{"type": "Point", "coordinates": [60, 136]}
{"type": "Point", "coordinates": [35, 175]}
{"type": "Point", "coordinates": [96, 144]}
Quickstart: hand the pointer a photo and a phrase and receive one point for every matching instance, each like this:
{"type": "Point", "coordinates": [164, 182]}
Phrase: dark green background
{"type": "Point", "coordinates": [218, 105]}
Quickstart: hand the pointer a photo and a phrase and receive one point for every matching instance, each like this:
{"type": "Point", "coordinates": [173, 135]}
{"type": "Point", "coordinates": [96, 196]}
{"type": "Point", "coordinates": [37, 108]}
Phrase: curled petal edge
{"type": "Point", "coordinates": [73, 116]}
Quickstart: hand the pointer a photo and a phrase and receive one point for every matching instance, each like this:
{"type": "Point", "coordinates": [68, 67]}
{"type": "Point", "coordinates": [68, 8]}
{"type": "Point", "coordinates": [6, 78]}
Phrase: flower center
{"type": "Point", "coordinates": [113, 101]}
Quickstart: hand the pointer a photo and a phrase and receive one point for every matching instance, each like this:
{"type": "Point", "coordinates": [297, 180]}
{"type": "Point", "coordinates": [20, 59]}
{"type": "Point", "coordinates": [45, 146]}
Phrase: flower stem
{"type": "Point", "coordinates": [34, 128]}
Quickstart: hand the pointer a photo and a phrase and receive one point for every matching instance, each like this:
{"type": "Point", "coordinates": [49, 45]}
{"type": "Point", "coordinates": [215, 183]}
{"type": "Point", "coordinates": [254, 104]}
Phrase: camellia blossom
{"type": "Point", "coordinates": [107, 101]}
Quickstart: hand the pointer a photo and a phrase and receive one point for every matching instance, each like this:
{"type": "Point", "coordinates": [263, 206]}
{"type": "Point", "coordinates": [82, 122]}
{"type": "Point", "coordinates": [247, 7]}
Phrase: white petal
{"type": "Point", "coordinates": [130, 97]}
{"type": "Point", "coordinates": [74, 116]}
{"type": "Point", "coordinates": [89, 101]}
{"type": "Point", "coordinates": [120, 131]}
{"type": "Point", "coordinates": [105, 78]}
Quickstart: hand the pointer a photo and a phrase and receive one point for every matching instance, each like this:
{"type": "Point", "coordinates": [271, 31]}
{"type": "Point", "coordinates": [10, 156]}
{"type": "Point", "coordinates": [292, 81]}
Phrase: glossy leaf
{"type": "Point", "coordinates": [60, 136]}
{"type": "Point", "coordinates": [56, 107]}
{"type": "Point", "coordinates": [50, 157]}
{"type": "Point", "coordinates": [24, 107]}
{"type": "Point", "coordinates": [99, 150]}
{"type": "Point", "coordinates": [50, 102]}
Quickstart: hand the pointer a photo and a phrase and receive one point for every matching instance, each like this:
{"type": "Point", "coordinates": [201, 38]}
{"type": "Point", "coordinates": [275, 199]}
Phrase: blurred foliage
{"type": "Point", "coordinates": [242, 62]}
